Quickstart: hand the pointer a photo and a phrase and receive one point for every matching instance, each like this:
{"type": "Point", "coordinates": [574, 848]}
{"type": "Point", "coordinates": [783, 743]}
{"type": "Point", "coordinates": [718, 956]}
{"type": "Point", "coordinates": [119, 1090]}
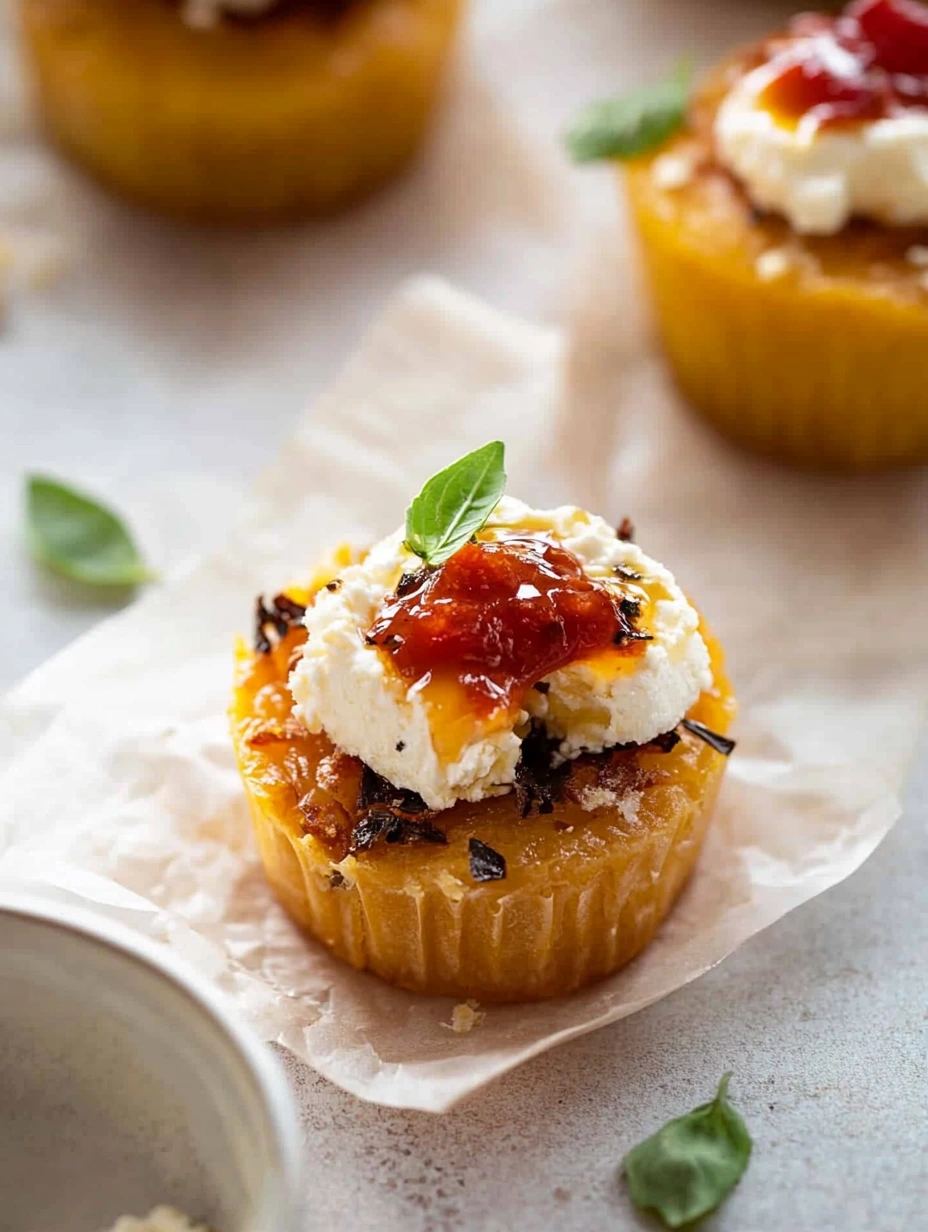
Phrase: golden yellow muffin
{"type": "Point", "coordinates": [273, 117]}
{"type": "Point", "coordinates": [587, 884]}
{"type": "Point", "coordinates": [806, 348]}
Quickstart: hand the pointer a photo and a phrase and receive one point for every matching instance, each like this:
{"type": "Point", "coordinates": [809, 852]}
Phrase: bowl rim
{"type": "Point", "coordinates": [278, 1204]}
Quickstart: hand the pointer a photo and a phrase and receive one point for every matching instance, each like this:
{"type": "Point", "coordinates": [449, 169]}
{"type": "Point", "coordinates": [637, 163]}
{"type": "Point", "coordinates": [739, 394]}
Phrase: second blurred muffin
{"type": "Point", "coordinates": [239, 110]}
{"type": "Point", "coordinates": [782, 209]}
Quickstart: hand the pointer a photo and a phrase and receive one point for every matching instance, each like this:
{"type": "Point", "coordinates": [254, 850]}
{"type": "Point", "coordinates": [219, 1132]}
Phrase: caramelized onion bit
{"type": "Point", "coordinates": [280, 616]}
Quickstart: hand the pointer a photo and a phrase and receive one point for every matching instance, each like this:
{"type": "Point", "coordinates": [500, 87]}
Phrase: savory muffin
{"type": "Point", "coordinates": [239, 110]}
{"type": "Point", "coordinates": [485, 771]}
{"type": "Point", "coordinates": [784, 227]}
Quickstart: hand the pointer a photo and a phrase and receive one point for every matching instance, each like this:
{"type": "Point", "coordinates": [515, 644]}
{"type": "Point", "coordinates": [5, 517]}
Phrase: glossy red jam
{"type": "Point", "coordinates": [500, 615]}
{"type": "Point", "coordinates": [867, 63]}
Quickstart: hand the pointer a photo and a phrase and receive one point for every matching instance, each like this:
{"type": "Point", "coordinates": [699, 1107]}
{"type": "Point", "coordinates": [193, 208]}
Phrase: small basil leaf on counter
{"type": "Point", "coordinates": [630, 126]}
{"type": "Point", "coordinates": [455, 503]}
{"type": "Point", "coordinates": [77, 537]}
{"type": "Point", "coordinates": [685, 1170]}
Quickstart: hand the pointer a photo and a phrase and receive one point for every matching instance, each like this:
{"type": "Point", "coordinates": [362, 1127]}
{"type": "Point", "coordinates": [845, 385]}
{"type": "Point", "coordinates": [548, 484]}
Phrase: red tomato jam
{"type": "Point", "coordinates": [867, 63]}
{"type": "Point", "coordinates": [500, 615]}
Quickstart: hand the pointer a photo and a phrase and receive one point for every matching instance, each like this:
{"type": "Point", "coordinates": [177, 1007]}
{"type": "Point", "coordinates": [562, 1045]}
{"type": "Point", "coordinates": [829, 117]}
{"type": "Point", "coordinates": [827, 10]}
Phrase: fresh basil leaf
{"type": "Point", "coordinates": [685, 1170]}
{"type": "Point", "coordinates": [78, 537]}
{"type": "Point", "coordinates": [630, 126]}
{"type": "Point", "coordinates": [455, 503]}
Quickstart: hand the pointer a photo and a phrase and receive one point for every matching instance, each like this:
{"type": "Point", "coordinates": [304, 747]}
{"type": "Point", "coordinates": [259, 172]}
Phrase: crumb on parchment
{"type": "Point", "coordinates": [161, 1219]}
{"type": "Point", "coordinates": [465, 1017]}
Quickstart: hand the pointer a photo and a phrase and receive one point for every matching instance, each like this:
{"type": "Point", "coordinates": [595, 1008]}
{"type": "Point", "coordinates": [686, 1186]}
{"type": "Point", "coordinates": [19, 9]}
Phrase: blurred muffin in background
{"type": "Point", "coordinates": [239, 110]}
{"type": "Point", "coordinates": [782, 210]}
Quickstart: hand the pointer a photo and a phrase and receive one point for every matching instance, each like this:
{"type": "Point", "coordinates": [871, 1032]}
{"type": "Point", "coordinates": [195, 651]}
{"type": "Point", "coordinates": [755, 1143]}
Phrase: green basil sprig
{"type": "Point", "coordinates": [77, 537]}
{"type": "Point", "coordinates": [685, 1170]}
{"type": "Point", "coordinates": [633, 125]}
{"type": "Point", "coordinates": [455, 503]}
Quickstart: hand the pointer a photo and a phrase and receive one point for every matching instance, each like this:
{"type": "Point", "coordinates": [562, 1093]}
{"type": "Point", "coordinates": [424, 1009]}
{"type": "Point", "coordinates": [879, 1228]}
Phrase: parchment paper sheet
{"type": "Point", "coordinates": [117, 784]}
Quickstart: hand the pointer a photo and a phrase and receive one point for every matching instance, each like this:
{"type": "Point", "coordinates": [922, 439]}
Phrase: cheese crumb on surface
{"type": "Point", "coordinates": [918, 255]}
{"type": "Point", "coordinates": [161, 1219]}
{"type": "Point", "coordinates": [465, 1017]}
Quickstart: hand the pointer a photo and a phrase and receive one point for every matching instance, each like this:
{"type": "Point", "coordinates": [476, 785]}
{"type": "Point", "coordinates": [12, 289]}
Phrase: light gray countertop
{"type": "Point", "coordinates": [823, 1019]}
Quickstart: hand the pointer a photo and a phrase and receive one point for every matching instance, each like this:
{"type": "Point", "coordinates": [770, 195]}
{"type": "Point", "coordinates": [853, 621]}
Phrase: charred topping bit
{"type": "Point", "coordinates": [375, 789]}
{"type": "Point", "coordinates": [721, 744]}
{"type": "Point", "coordinates": [336, 880]}
{"type": "Point", "coordinates": [289, 610]}
{"type": "Point", "coordinates": [401, 830]}
{"type": "Point", "coordinates": [625, 531]}
{"type": "Point", "coordinates": [543, 686]}
{"type": "Point", "coordinates": [392, 641]}
{"type": "Point", "coordinates": [624, 636]}
{"type": "Point", "coordinates": [631, 608]}
{"type": "Point", "coordinates": [627, 575]}
{"type": "Point", "coordinates": [382, 822]}
{"type": "Point", "coordinates": [369, 829]}
{"type": "Point", "coordinates": [665, 742]}
{"type": "Point", "coordinates": [410, 582]}
{"type": "Point", "coordinates": [485, 863]}
{"type": "Point", "coordinates": [400, 745]}
{"type": "Point", "coordinates": [335, 584]}
{"type": "Point", "coordinates": [538, 783]}
{"type": "Point", "coordinates": [392, 813]}
{"type": "Point", "coordinates": [262, 619]}
{"type": "Point", "coordinates": [281, 616]}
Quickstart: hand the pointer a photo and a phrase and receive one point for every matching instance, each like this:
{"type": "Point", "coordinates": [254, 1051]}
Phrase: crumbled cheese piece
{"type": "Point", "coordinates": [918, 255]}
{"type": "Point", "coordinates": [593, 798]}
{"type": "Point", "coordinates": [348, 869]}
{"type": "Point", "coordinates": [161, 1219]}
{"type": "Point", "coordinates": [773, 264]}
{"type": "Point", "coordinates": [673, 171]}
{"type": "Point", "coordinates": [465, 1017]}
{"type": "Point", "coordinates": [629, 805]}
{"type": "Point", "coordinates": [327, 774]}
{"type": "Point", "coordinates": [451, 886]}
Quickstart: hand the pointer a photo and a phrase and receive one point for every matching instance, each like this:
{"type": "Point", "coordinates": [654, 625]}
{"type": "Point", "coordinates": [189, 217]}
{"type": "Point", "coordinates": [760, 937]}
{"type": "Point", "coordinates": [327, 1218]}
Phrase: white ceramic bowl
{"type": "Point", "coordinates": [125, 1083]}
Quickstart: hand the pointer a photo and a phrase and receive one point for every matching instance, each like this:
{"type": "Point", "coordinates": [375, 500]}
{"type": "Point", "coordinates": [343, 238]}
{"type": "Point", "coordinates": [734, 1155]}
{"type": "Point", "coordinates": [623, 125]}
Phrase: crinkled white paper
{"type": "Point", "coordinates": [117, 783]}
